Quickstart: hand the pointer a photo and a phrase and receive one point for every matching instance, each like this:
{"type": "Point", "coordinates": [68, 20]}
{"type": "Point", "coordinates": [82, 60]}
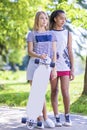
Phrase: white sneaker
{"type": "Point", "coordinates": [40, 125]}
{"type": "Point", "coordinates": [67, 120]}
{"type": "Point", "coordinates": [49, 123]}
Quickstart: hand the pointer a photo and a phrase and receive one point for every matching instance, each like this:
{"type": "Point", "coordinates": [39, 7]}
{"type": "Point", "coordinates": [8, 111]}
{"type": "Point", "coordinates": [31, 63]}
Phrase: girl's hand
{"type": "Point", "coordinates": [72, 76]}
{"type": "Point", "coordinates": [53, 74]}
{"type": "Point", "coordinates": [43, 56]}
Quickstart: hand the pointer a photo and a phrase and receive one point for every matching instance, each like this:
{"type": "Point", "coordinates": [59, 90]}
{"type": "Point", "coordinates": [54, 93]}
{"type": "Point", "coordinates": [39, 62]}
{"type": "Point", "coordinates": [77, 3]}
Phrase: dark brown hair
{"type": "Point", "coordinates": [54, 15]}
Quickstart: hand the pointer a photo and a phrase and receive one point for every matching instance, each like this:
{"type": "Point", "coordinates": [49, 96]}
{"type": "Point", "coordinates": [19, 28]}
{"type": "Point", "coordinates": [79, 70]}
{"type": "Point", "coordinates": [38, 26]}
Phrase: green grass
{"type": "Point", "coordinates": [14, 91]}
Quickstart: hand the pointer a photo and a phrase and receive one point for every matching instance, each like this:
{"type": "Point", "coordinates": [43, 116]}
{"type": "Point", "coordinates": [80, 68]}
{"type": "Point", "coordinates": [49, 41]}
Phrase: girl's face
{"type": "Point", "coordinates": [60, 20]}
{"type": "Point", "coordinates": [43, 20]}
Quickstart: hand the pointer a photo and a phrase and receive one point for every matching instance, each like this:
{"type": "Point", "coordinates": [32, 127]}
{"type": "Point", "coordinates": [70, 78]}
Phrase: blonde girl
{"type": "Point", "coordinates": [41, 43]}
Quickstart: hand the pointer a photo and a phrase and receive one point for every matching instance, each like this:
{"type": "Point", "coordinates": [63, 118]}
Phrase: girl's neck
{"type": "Point", "coordinates": [58, 28]}
{"type": "Point", "coordinates": [42, 30]}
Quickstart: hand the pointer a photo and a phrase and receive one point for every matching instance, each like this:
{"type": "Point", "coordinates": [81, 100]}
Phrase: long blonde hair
{"type": "Point", "coordinates": [36, 26]}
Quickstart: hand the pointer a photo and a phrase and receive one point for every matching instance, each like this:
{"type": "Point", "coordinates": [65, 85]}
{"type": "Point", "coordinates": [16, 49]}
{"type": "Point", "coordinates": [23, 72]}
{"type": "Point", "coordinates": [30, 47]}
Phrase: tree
{"type": "Point", "coordinates": [77, 15]}
{"type": "Point", "coordinates": [16, 19]}
{"type": "Point", "coordinates": [83, 4]}
{"type": "Point", "coordinates": [14, 26]}
{"type": "Point", "coordinates": [85, 80]}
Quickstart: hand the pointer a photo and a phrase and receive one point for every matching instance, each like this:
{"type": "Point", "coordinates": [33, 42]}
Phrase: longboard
{"type": "Point", "coordinates": [37, 93]}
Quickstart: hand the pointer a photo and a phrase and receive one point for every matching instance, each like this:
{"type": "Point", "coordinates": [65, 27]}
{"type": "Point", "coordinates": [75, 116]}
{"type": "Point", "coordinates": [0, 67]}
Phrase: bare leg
{"type": "Point", "coordinates": [54, 95]}
{"type": "Point", "coordinates": [30, 81]}
{"type": "Point", "coordinates": [44, 111]}
{"type": "Point", "coordinates": [65, 92]}
{"type": "Point", "coordinates": [47, 121]}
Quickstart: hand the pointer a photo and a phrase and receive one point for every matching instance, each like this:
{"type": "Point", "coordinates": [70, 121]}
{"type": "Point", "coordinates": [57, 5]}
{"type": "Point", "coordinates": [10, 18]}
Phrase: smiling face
{"type": "Point", "coordinates": [60, 20]}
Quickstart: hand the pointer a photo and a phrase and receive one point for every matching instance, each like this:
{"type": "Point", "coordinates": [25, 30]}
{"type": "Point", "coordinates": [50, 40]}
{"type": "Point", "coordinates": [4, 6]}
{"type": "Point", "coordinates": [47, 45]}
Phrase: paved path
{"type": "Point", "coordinates": [10, 119]}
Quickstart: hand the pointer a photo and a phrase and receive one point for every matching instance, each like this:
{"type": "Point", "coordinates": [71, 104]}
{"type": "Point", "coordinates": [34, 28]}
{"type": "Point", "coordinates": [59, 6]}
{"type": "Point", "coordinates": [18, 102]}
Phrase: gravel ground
{"type": "Point", "coordinates": [10, 119]}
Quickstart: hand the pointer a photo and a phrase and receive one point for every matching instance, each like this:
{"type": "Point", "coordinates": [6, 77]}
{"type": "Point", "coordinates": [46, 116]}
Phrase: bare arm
{"type": "Point", "coordinates": [32, 53]}
{"type": "Point", "coordinates": [71, 55]}
{"type": "Point", "coordinates": [54, 51]}
{"type": "Point", "coordinates": [54, 73]}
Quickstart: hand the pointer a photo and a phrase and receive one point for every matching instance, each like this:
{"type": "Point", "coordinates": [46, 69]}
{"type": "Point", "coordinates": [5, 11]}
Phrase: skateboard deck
{"type": "Point", "coordinates": [37, 92]}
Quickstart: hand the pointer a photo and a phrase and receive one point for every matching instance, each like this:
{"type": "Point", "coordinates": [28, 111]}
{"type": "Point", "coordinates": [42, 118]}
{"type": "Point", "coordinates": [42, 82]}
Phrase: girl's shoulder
{"type": "Point", "coordinates": [30, 36]}
{"type": "Point", "coordinates": [51, 32]}
{"type": "Point", "coordinates": [32, 33]}
{"type": "Point", "coordinates": [29, 33]}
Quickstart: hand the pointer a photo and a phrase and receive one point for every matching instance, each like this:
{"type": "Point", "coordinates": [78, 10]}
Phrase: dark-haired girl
{"type": "Point", "coordinates": [64, 65]}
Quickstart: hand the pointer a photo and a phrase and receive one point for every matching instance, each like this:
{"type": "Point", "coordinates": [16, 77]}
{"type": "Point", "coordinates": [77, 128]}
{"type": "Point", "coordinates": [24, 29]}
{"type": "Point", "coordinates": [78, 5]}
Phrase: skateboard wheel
{"type": "Point", "coordinates": [30, 126]}
{"type": "Point", "coordinates": [23, 120]}
{"type": "Point", "coordinates": [39, 123]}
{"type": "Point", "coordinates": [37, 61]}
{"type": "Point", "coordinates": [52, 64]}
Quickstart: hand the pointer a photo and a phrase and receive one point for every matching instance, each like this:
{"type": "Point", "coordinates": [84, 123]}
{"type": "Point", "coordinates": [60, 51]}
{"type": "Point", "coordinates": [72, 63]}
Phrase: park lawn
{"type": "Point", "coordinates": [14, 92]}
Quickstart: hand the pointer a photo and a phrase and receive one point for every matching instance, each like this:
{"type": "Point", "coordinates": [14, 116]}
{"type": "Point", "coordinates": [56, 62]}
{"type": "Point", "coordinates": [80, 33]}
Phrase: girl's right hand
{"type": "Point", "coordinates": [43, 56]}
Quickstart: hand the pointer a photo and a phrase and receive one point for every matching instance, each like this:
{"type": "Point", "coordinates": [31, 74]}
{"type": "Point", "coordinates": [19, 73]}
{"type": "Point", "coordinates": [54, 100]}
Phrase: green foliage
{"type": "Point", "coordinates": [12, 36]}
{"type": "Point", "coordinates": [82, 3]}
{"type": "Point", "coordinates": [10, 75]}
{"type": "Point", "coordinates": [16, 18]}
{"type": "Point", "coordinates": [75, 14]}
{"type": "Point", "coordinates": [79, 106]}
{"type": "Point", "coordinates": [14, 99]}
{"type": "Point", "coordinates": [14, 92]}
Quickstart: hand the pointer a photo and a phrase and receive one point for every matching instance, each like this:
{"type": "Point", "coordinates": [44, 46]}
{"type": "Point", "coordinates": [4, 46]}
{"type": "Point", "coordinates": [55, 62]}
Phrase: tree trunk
{"type": "Point", "coordinates": [85, 80]}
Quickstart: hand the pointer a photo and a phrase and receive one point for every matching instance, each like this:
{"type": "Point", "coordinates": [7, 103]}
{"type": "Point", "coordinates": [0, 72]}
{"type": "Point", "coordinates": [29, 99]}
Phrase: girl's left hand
{"type": "Point", "coordinates": [72, 76]}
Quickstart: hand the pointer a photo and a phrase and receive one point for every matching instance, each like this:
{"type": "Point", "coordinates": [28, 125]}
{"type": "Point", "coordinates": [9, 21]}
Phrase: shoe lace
{"type": "Point", "coordinates": [57, 119]}
{"type": "Point", "coordinates": [67, 118]}
{"type": "Point", "coordinates": [39, 123]}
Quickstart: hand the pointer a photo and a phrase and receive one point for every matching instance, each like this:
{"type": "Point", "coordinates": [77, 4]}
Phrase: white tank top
{"type": "Point", "coordinates": [63, 62]}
